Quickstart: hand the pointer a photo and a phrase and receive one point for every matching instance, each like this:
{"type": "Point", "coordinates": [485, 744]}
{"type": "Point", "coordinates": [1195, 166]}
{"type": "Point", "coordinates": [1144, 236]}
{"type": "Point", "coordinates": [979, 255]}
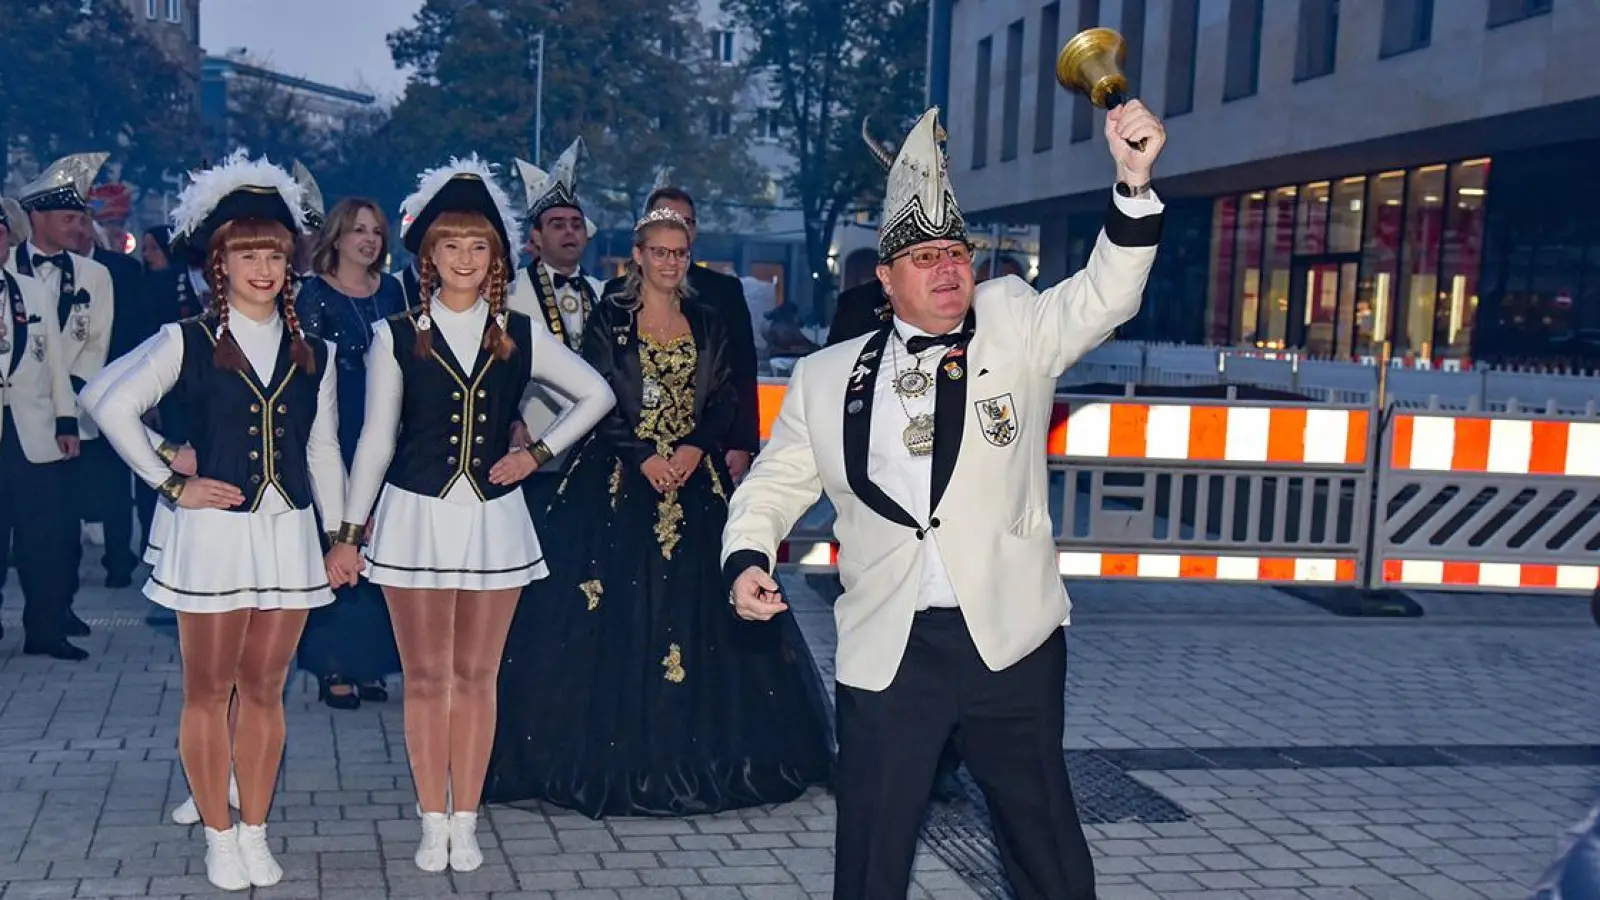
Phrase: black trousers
{"type": "Point", "coordinates": [101, 490]}
{"type": "Point", "coordinates": [1007, 728]}
{"type": "Point", "coordinates": [33, 516]}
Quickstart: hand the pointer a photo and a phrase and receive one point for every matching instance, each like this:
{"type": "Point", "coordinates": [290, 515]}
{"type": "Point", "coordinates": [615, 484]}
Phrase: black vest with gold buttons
{"type": "Point", "coordinates": [248, 433]}
{"type": "Point", "coordinates": [455, 421]}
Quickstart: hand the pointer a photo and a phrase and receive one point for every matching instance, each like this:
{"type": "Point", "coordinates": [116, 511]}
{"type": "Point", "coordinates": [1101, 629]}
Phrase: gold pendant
{"type": "Point", "coordinates": [918, 436]}
{"type": "Point", "coordinates": [569, 304]}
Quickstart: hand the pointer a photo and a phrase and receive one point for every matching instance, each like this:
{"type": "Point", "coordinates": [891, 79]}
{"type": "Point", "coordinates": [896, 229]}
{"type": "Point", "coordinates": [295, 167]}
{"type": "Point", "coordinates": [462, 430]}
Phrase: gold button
{"type": "Point", "coordinates": [477, 463]}
{"type": "Point", "coordinates": [451, 461]}
{"type": "Point", "coordinates": [277, 454]}
{"type": "Point", "coordinates": [455, 417]}
{"type": "Point", "coordinates": [478, 439]}
{"type": "Point", "coordinates": [482, 417]}
{"type": "Point", "coordinates": [254, 431]}
{"type": "Point", "coordinates": [282, 409]}
{"type": "Point", "coordinates": [455, 439]}
{"type": "Point", "coordinates": [482, 394]}
{"type": "Point", "coordinates": [254, 456]}
{"type": "Point", "coordinates": [255, 479]}
{"type": "Point", "coordinates": [277, 432]}
{"type": "Point", "coordinates": [455, 395]}
{"type": "Point", "coordinates": [255, 407]}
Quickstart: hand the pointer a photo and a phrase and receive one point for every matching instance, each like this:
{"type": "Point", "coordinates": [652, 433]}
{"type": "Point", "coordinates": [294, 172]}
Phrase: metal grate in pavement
{"type": "Point", "coordinates": [958, 831]}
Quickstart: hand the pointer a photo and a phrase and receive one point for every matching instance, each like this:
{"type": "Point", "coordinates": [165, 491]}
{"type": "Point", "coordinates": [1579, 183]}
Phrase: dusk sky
{"type": "Point", "coordinates": [338, 42]}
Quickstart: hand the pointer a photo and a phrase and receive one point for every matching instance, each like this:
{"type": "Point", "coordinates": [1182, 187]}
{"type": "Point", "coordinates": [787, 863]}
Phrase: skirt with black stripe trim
{"type": "Point", "coordinates": [214, 561]}
{"type": "Point", "coordinates": [457, 542]}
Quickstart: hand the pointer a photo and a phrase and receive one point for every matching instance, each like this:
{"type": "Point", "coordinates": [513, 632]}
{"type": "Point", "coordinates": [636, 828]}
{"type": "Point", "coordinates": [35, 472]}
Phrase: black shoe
{"type": "Point", "coordinates": [75, 626]}
{"type": "Point", "coordinates": [374, 692]}
{"type": "Point", "coordinates": [349, 700]}
{"type": "Point", "coordinates": [119, 580]}
{"type": "Point", "coordinates": [57, 649]}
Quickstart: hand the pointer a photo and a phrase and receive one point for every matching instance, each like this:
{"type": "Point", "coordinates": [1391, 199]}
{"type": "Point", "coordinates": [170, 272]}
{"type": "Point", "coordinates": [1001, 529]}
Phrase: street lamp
{"type": "Point", "coordinates": [538, 97]}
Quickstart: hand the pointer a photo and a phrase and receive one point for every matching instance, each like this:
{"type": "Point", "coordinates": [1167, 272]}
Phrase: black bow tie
{"type": "Point", "coordinates": [59, 260]}
{"type": "Point", "coordinates": [916, 345]}
{"type": "Point", "coordinates": [560, 281]}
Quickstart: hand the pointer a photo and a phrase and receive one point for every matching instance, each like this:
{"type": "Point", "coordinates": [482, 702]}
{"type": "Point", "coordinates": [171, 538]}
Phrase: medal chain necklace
{"type": "Point", "coordinates": [918, 433]}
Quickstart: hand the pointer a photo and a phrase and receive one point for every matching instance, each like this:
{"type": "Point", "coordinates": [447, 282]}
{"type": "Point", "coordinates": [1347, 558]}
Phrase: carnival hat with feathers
{"type": "Point", "coordinates": [316, 211]}
{"type": "Point", "coordinates": [918, 204]}
{"type": "Point", "coordinates": [236, 188]}
{"type": "Point", "coordinates": [462, 185]}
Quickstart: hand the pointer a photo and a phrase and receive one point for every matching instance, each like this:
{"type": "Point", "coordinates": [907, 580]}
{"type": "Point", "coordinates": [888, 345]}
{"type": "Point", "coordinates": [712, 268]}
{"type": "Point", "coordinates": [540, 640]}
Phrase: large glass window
{"type": "Point", "coordinates": [1247, 269]}
{"type": "Point", "coordinates": [1462, 259]}
{"type": "Point", "coordinates": [1344, 215]}
{"type": "Point", "coordinates": [1311, 226]}
{"type": "Point", "coordinates": [1219, 281]}
{"type": "Point", "coordinates": [1423, 236]}
{"type": "Point", "coordinates": [1280, 243]}
{"type": "Point", "coordinates": [1380, 261]}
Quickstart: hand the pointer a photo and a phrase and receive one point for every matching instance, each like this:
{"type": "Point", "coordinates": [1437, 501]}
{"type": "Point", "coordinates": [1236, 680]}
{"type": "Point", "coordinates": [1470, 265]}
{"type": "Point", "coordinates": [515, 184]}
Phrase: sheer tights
{"type": "Point", "coordinates": [450, 647]}
{"type": "Point", "coordinates": [245, 652]}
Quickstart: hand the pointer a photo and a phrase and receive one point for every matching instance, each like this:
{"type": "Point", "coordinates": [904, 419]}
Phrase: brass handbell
{"type": "Point", "coordinates": [1091, 64]}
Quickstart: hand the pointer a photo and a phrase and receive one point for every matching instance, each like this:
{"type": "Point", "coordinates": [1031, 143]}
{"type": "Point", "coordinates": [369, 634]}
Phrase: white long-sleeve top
{"type": "Point", "coordinates": [121, 394]}
{"type": "Point", "coordinates": [549, 361]}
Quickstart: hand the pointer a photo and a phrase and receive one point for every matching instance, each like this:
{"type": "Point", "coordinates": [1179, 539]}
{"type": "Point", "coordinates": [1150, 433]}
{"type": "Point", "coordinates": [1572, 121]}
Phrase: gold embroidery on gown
{"type": "Point", "coordinates": [671, 366]}
{"type": "Point", "coordinates": [592, 591]}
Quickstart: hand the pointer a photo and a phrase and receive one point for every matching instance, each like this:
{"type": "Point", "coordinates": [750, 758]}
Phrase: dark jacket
{"type": "Point", "coordinates": [860, 310]}
{"type": "Point", "coordinates": [611, 346]}
{"type": "Point", "coordinates": [132, 318]}
{"type": "Point", "coordinates": [724, 295]}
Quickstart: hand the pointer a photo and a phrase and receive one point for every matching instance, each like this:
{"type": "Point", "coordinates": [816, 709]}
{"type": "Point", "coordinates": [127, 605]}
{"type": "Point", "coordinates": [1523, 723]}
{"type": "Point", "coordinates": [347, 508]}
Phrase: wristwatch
{"type": "Point", "coordinates": [1132, 191]}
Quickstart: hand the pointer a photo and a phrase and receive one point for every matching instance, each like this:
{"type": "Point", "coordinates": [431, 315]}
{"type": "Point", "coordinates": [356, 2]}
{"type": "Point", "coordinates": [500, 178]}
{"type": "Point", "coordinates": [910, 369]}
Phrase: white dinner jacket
{"type": "Point", "coordinates": [33, 375]}
{"type": "Point", "coordinates": [990, 509]}
{"type": "Point", "coordinates": [86, 333]}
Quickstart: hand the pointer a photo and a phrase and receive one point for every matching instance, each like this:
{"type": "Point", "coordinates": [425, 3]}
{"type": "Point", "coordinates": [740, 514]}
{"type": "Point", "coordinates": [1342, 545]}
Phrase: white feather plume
{"type": "Point", "coordinates": [430, 182]}
{"type": "Point", "coordinates": [206, 189]}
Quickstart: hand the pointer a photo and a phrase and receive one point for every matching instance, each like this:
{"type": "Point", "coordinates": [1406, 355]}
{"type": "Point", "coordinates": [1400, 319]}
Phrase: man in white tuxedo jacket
{"type": "Point", "coordinates": [38, 433]}
{"type": "Point", "coordinates": [82, 303]}
{"type": "Point", "coordinates": [929, 437]}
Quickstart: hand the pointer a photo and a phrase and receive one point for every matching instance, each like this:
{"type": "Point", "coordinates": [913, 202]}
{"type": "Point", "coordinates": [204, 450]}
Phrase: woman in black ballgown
{"type": "Point", "coordinates": [628, 687]}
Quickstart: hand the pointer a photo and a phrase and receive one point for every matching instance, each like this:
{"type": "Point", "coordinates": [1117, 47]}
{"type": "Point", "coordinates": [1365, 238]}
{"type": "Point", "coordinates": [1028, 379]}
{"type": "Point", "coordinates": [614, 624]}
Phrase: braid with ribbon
{"type": "Point", "coordinates": [427, 283]}
{"type": "Point", "coordinates": [227, 354]}
{"type": "Point", "coordinates": [495, 338]}
{"type": "Point", "coordinates": [299, 348]}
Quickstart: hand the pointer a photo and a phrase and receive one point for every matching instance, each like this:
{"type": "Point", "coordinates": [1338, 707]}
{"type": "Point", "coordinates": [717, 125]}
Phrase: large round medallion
{"type": "Point", "coordinates": [912, 383]}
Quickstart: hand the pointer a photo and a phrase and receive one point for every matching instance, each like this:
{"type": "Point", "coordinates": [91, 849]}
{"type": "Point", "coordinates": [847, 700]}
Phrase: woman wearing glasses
{"type": "Point", "coordinates": [628, 688]}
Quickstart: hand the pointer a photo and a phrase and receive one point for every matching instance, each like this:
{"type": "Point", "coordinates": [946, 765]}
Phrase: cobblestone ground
{"type": "Point", "coordinates": [1227, 743]}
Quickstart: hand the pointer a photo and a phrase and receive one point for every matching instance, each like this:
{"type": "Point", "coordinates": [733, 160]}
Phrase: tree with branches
{"type": "Point", "coordinates": [828, 66]}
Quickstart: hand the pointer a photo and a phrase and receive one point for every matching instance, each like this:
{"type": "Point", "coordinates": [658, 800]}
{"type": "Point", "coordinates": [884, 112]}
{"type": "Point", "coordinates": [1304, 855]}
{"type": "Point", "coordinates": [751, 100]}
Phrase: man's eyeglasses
{"type": "Point", "coordinates": [928, 257]}
{"type": "Point", "coordinates": [662, 254]}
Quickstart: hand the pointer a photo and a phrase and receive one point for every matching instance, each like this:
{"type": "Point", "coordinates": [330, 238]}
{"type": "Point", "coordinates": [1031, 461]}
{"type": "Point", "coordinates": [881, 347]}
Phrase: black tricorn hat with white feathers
{"type": "Point", "coordinates": [462, 185]}
{"type": "Point", "coordinates": [236, 188]}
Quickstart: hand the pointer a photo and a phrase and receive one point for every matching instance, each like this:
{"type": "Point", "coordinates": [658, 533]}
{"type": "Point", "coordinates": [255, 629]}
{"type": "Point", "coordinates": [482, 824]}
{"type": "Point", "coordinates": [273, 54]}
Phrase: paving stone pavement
{"type": "Point", "coordinates": [88, 767]}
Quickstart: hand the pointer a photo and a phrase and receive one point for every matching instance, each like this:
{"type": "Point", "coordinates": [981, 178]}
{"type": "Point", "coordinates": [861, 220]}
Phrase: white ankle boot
{"type": "Point", "coordinates": [465, 854]}
{"type": "Point", "coordinates": [433, 854]}
{"type": "Point", "coordinates": [188, 814]}
{"type": "Point", "coordinates": [263, 870]}
{"type": "Point", "coordinates": [224, 861]}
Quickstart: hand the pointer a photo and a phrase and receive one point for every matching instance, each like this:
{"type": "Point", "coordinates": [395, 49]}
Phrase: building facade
{"type": "Point", "coordinates": [1338, 175]}
{"type": "Point", "coordinates": [235, 77]}
{"type": "Point", "coordinates": [175, 26]}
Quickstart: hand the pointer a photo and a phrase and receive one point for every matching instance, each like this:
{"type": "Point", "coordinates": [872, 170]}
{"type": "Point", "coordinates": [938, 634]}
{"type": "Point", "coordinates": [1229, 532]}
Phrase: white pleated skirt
{"type": "Point", "coordinates": [214, 561]}
{"type": "Point", "coordinates": [160, 531]}
{"type": "Point", "coordinates": [431, 543]}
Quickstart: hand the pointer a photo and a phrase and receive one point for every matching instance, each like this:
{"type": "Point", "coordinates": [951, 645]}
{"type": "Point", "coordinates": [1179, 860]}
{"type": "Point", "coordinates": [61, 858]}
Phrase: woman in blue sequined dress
{"type": "Point", "coordinates": [350, 644]}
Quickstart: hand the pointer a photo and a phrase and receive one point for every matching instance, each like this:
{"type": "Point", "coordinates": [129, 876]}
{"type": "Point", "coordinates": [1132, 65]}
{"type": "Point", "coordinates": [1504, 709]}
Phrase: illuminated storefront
{"type": "Point", "coordinates": [1336, 267]}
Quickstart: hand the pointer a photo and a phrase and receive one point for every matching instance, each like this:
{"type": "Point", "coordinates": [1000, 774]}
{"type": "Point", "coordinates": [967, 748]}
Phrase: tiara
{"type": "Point", "coordinates": [661, 214]}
